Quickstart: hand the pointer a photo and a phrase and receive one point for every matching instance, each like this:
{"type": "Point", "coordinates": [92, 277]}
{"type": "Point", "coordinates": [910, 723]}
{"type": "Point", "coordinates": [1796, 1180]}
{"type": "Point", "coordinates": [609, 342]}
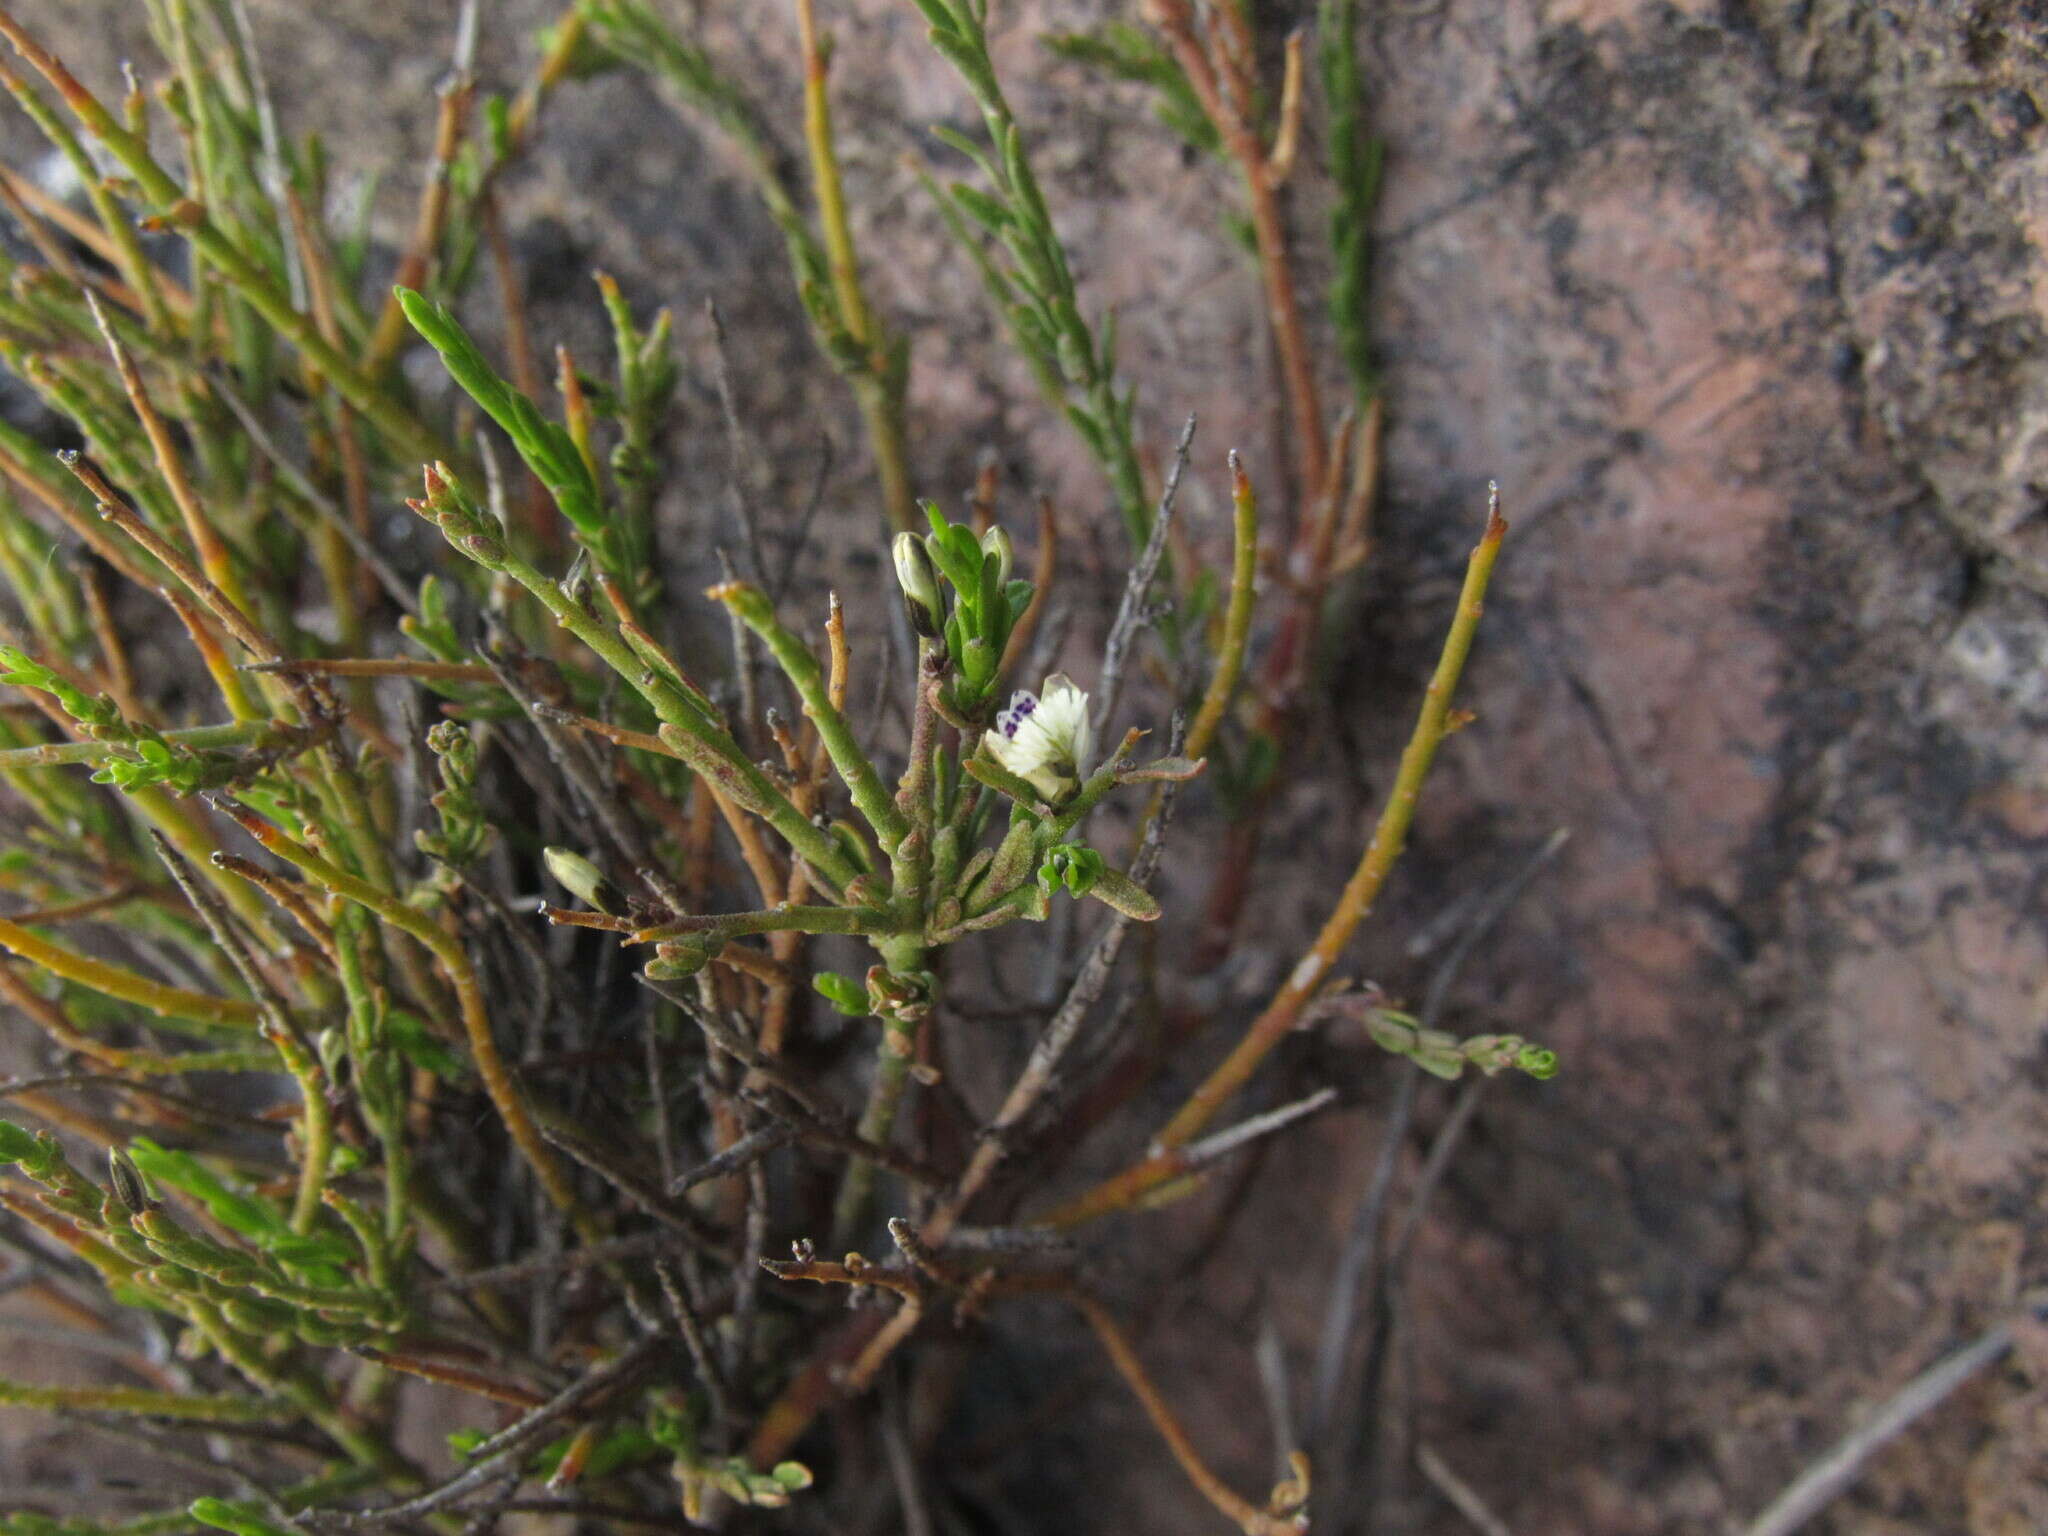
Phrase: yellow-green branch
{"type": "Point", "coordinates": [498, 1081]}
{"type": "Point", "coordinates": [164, 1001]}
{"type": "Point", "coordinates": [1381, 853]}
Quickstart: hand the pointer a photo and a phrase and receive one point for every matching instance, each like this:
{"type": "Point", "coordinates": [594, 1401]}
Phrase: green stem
{"type": "Point", "coordinates": [398, 426]}
{"type": "Point", "coordinates": [1237, 618]}
{"type": "Point", "coordinates": [135, 267]}
{"type": "Point", "coordinates": [707, 748]}
{"type": "Point", "coordinates": [878, 387]}
{"type": "Point", "coordinates": [1283, 1012]}
{"type": "Point", "coordinates": [880, 398]}
{"type": "Point", "coordinates": [301, 1393]}
{"type": "Point", "coordinates": [777, 920]}
{"type": "Point", "coordinates": [316, 1128]}
{"type": "Point", "coordinates": [903, 955]}
{"type": "Point", "coordinates": [199, 738]}
{"type": "Point", "coordinates": [201, 1407]}
{"type": "Point", "coordinates": [229, 1013]}
{"type": "Point", "coordinates": [870, 797]}
{"type": "Point", "coordinates": [379, 1089]}
{"type": "Point", "coordinates": [506, 1095]}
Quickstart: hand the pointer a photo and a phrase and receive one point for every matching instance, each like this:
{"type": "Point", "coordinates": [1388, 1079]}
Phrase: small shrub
{"type": "Point", "coordinates": [333, 1102]}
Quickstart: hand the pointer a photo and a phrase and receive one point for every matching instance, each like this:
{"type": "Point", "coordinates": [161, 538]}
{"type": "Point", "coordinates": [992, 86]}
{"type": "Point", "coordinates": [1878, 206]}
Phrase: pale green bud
{"type": "Point", "coordinates": [581, 878]}
{"type": "Point", "coordinates": [997, 542]}
{"type": "Point", "coordinates": [920, 583]}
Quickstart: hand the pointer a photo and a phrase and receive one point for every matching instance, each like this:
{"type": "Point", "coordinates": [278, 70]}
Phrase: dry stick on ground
{"type": "Point", "coordinates": [871, 1344]}
{"type": "Point", "coordinates": [1170, 1164]}
{"type": "Point", "coordinates": [1250, 1519]}
{"type": "Point", "coordinates": [1833, 1474]}
{"type": "Point", "coordinates": [1459, 1493]}
{"type": "Point", "coordinates": [1284, 1011]}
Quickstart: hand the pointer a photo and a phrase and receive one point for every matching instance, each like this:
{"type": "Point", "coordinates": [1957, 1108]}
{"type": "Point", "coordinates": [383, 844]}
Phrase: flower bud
{"type": "Point", "coordinates": [462, 520]}
{"type": "Point", "coordinates": [920, 583]}
{"type": "Point", "coordinates": [678, 961]}
{"type": "Point", "coordinates": [578, 876]}
{"type": "Point", "coordinates": [997, 542]}
{"type": "Point", "coordinates": [127, 1181]}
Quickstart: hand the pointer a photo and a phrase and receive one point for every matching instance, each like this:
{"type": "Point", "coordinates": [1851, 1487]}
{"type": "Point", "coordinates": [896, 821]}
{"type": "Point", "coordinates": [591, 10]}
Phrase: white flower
{"type": "Point", "coordinates": [1046, 739]}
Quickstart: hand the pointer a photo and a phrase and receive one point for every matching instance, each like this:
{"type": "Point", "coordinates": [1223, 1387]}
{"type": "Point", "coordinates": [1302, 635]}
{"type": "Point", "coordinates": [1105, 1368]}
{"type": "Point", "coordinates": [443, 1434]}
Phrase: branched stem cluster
{"type": "Point", "coordinates": [504, 1056]}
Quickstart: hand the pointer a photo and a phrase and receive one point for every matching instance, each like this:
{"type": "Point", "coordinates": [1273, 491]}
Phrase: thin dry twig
{"type": "Point", "coordinates": [1459, 1494]}
{"type": "Point", "coordinates": [749, 1149]}
{"type": "Point", "coordinates": [683, 1308]}
{"type": "Point", "coordinates": [894, 1423]}
{"type": "Point", "coordinates": [495, 1453]}
{"type": "Point", "coordinates": [1823, 1482]}
{"type": "Point", "coordinates": [1131, 612]}
{"type": "Point", "coordinates": [1168, 1164]}
{"type": "Point", "coordinates": [552, 1266]}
